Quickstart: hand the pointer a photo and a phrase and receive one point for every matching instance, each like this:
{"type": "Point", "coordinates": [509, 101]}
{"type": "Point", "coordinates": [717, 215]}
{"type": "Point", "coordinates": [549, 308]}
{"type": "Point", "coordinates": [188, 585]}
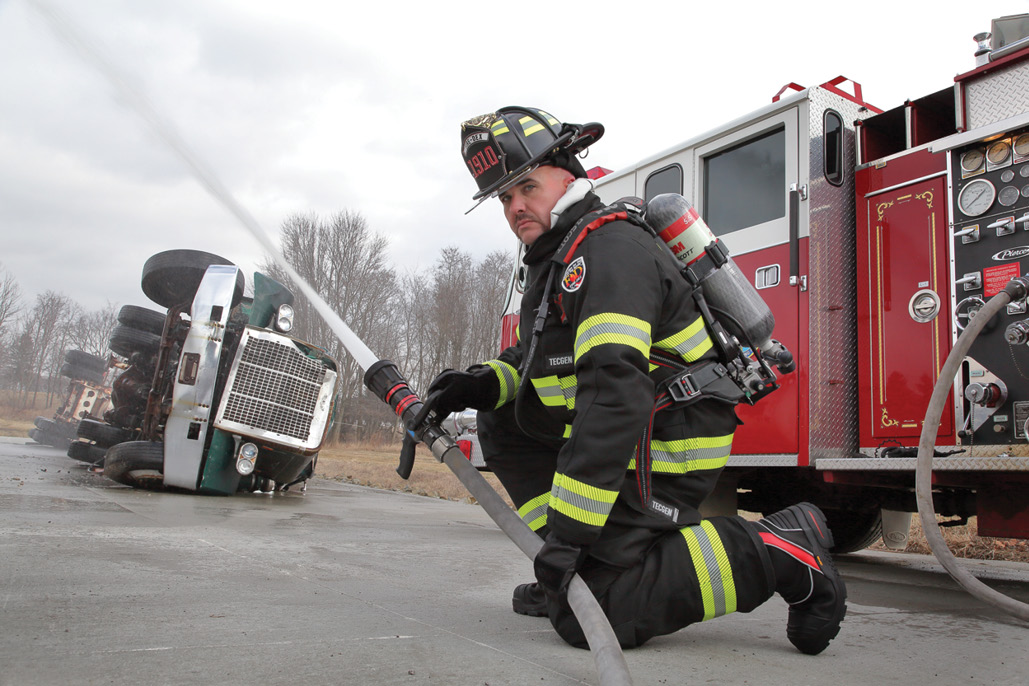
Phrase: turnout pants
{"type": "Point", "coordinates": [657, 581]}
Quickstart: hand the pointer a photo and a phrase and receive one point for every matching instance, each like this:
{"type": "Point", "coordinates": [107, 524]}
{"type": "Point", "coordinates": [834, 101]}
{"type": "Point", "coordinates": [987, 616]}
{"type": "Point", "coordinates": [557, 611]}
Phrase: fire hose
{"type": "Point", "coordinates": [1016, 289]}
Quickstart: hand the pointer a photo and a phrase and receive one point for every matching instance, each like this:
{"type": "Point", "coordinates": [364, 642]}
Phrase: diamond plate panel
{"type": "Point", "coordinates": [832, 344]}
{"type": "Point", "coordinates": [940, 464]}
{"type": "Point", "coordinates": [997, 95]}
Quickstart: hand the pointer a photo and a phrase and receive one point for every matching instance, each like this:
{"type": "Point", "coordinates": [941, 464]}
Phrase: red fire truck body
{"type": "Point", "coordinates": [874, 236]}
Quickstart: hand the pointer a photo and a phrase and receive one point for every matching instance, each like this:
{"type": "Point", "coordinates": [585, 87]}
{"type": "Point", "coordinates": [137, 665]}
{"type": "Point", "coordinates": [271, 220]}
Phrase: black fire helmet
{"type": "Point", "coordinates": [503, 146]}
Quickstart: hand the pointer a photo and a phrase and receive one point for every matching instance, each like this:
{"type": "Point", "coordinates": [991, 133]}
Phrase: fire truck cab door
{"type": "Point", "coordinates": [742, 185]}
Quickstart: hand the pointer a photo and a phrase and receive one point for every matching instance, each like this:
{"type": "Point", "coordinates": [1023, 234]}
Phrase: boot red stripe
{"type": "Point", "coordinates": [790, 549]}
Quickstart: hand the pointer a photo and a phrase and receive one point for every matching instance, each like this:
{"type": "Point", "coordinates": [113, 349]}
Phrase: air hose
{"type": "Point", "coordinates": [1015, 289]}
{"type": "Point", "coordinates": [385, 381]}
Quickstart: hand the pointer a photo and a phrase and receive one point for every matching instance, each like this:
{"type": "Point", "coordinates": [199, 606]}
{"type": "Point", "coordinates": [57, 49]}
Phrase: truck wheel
{"type": "Point", "coordinates": [81, 374]}
{"type": "Point", "coordinates": [45, 424]}
{"type": "Point", "coordinates": [854, 530]}
{"type": "Point", "coordinates": [139, 464]}
{"type": "Point", "coordinates": [142, 318]}
{"type": "Point", "coordinates": [171, 278]}
{"type": "Point", "coordinates": [86, 452]}
{"type": "Point", "coordinates": [104, 435]}
{"type": "Point", "coordinates": [126, 340]}
{"type": "Point", "coordinates": [84, 360]}
{"type": "Point", "coordinates": [45, 437]}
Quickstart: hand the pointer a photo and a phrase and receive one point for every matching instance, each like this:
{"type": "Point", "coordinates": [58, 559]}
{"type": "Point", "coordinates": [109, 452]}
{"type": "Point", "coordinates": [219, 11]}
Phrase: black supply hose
{"type": "Point", "coordinates": [1015, 289]}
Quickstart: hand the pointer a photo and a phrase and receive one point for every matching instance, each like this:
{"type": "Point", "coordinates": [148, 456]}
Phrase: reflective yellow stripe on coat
{"type": "Point", "coordinates": [690, 343]}
{"type": "Point", "coordinates": [611, 328]}
{"type": "Point", "coordinates": [508, 378]}
{"type": "Point", "coordinates": [688, 455]}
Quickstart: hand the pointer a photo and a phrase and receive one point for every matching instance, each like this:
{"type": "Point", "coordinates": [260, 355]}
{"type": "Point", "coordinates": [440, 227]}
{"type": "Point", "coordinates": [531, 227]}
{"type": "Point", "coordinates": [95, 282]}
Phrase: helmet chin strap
{"type": "Point", "coordinates": [575, 192]}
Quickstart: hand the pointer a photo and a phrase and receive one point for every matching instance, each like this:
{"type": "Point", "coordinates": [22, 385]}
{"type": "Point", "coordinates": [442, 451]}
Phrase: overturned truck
{"type": "Point", "coordinates": [216, 398]}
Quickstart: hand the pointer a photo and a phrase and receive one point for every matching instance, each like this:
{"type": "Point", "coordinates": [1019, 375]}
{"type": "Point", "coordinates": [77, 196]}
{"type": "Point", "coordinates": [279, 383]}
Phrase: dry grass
{"type": "Point", "coordinates": [963, 541]}
{"type": "Point", "coordinates": [16, 420]}
{"type": "Point", "coordinates": [375, 465]}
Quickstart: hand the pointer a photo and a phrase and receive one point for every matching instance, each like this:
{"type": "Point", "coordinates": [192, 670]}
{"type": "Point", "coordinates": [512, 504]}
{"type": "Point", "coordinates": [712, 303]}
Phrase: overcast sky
{"type": "Point", "coordinates": [315, 106]}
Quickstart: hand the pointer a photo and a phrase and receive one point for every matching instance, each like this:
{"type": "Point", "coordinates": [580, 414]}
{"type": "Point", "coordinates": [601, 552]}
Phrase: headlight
{"type": "Point", "coordinates": [246, 458]}
{"type": "Point", "coordinates": [284, 319]}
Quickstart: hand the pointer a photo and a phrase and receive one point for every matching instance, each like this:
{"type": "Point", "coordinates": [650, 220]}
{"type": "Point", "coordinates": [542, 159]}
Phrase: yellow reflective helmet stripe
{"type": "Point", "coordinates": [499, 127]}
{"type": "Point", "coordinates": [611, 328]}
{"type": "Point", "coordinates": [534, 512]}
{"type": "Point", "coordinates": [509, 380]}
{"type": "Point", "coordinates": [714, 575]}
{"type": "Point", "coordinates": [531, 125]}
{"type": "Point", "coordinates": [690, 343]}
{"type": "Point", "coordinates": [580, 501]}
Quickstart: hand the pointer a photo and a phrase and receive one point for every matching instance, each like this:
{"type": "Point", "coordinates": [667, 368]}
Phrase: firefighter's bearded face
{"type": "Point", "coordinates": [528, 203]}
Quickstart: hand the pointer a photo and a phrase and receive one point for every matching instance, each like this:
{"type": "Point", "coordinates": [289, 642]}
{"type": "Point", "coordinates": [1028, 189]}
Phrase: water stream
{"type": "Point", "coordinates": [133, 99]}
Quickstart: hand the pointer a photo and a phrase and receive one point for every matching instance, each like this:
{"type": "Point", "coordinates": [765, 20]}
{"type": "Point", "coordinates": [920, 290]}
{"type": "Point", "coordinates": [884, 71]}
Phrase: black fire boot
{"type": "Point", "coordinates": [529, 599]}
{"type": "Point", "coordinates": [798, 542]}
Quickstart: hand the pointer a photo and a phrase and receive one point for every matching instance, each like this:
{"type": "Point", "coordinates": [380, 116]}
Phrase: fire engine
{"type": "Point", "coordinates": [874, 237]}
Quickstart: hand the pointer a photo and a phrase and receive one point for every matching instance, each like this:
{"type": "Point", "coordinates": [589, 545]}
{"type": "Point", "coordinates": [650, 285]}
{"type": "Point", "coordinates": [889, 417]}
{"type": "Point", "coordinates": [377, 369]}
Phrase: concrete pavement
{"type": "Point", "coordinates": [101, 584]}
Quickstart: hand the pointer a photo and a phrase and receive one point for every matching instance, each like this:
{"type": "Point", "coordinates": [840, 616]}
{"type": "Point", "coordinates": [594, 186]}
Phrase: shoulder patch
{"type": "Point", "coordinates": [574, 275]}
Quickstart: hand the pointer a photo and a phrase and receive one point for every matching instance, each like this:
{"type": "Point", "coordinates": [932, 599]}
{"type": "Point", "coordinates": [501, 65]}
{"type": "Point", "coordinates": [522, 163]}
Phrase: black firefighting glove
{"type": "Point", "coordinates": [556, 564]}
{"type": "Point", "coordinates": [477, 387]}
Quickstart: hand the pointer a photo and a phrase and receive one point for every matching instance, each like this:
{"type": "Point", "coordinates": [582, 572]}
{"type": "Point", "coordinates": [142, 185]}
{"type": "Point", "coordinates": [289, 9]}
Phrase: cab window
{"type": "Point", "coordinates": [667, 180]}
{"type": "Point", "coordinates": [743, 185]}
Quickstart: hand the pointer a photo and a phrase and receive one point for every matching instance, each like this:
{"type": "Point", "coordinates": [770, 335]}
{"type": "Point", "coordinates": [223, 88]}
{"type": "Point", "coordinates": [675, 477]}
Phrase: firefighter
{"type": "Point", "coordinates": [568, 420]}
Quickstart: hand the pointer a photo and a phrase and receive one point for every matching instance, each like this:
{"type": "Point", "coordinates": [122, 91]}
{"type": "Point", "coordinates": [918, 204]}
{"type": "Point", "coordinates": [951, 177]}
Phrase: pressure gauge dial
{"type": "Point", "coordinates": [972, 160]}
{"type": "Point", "coordinates": [1007, 176]}
{"type": "Point", "coordinates": [1022, 145]}
{"type": "Point", "coordinates": [977, 197]}
{"type": "Point", "coordinates": [1008, 196]}
{"type": "Point", "coordinates": [999, 153]}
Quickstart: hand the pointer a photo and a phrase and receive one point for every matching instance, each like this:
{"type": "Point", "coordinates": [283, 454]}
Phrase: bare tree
{"type": "Point", "coordinates": [346, 264]}
{"type": "Point", "coordinates": [10, 306]}
{"type": "Point", "coordinates": [10, 298]}
{"type": "Point", "coordinates": [45, 332]}
{"type": "Point", "coordinates": [92, 330]}
{"type": "Point", "coordinates": [492, 279]}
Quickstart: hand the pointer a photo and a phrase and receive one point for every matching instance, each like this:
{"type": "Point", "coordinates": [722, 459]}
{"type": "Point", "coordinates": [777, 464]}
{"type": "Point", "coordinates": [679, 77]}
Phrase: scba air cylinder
{"type": "Point", "coordinates": [725, 288]}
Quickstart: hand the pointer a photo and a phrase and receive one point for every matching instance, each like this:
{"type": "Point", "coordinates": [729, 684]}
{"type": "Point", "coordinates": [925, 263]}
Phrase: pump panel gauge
{"type": "Point", "coordinates": [1008, 196]}
{"type": "Point", "coordinates": [972, 161]}
{"type": "Point", "coordinates": [1022, 145]}
{"type": "Point", "coordinates": [977, 197]}
{"type": "Point", "coordinates": [998, 154]}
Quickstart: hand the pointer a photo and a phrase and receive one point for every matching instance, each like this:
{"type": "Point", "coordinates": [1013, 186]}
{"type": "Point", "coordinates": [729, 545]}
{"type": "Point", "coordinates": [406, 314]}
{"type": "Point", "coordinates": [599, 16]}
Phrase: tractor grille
{"type": "Point", "coordinates": [276, 392]}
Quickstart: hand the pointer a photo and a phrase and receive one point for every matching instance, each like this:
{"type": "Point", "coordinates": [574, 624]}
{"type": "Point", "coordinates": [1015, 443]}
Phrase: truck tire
{"type": "Point", "coordinates": [52, 438]}
{"type": "Point", "coordinates": [126, 340]}
{"type": "Point", "coordinates": [81, 374]}
{"type": "Point", "coordinates": [171, 278]}
{"type": "Point", "coordinates": [104, 435]}
{"type": "Point", "coordinates": [86, 452]}
{"type": "Point", "coordinates": [142, 318]}
{"type": "Point", "coordinates": [854, 530]}
{"type": "Point", "coordinates": [45, 424]}
{"type": "Point", "coordinates": [139, 464]}
{"type": "Point", "coordinates": [84, 360]}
